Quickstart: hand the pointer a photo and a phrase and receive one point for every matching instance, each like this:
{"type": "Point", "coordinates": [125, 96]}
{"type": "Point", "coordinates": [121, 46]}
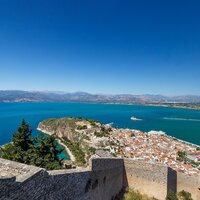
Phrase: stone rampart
{"type": "Point", "coordinates": [156, 180]}
{"type": "Point", "coordinates": [148, 178]}
{"type": "Point", "coordinates": [190, 184]}
{"type": "Point", "coordinates": [102, 180]}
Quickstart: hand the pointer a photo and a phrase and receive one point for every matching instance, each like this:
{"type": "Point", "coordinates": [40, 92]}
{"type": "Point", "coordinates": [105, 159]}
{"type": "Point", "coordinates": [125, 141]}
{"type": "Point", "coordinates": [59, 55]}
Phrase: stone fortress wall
{"type": "Point", "coordinates": [156, 180]}
{"type": "Point", "coordinates": [102, 180]}
{"type": "Point", "coordinates": [190, 184]}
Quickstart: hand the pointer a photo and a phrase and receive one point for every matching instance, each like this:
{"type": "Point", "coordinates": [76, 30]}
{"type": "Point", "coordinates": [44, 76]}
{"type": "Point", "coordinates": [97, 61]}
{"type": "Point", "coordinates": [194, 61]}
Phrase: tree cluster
{"type": "Point", "coordinates": [181, 156]}
{"type": "Point", "coordinates": [41, 152]}
{"type": "Point", "coordinates": [182, 195]}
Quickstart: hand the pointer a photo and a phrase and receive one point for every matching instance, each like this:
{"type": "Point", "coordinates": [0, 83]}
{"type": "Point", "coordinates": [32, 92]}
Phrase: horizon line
{"type": "Point", "coordinates": [91, 93]}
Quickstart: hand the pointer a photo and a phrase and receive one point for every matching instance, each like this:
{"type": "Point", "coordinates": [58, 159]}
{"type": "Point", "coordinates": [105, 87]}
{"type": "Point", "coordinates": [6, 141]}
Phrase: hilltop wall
{"type": "Point", "coordinates": [104, 179]}
{"type": "Point", "coordinates": [14, 174]}
{"type": "Point", "coordinates": [190, 184]}
{"type": "Point", "coordinates": [148, 178]}
{"type": "Point", "coordinates": [156, 180]}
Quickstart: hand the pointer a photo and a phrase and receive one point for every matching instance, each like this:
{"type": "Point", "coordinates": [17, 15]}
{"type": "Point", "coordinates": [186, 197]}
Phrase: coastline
{"type": "Point", "coordinates": [71, 156]}
{"type": "Point", "coordinates": [183, 141]}
{"type": "Point", "coordinates": [172, 106]}
{"type": "Point", "coordinates": [154, 105]}
{"type": "Point", "coordinates": [112, 103]}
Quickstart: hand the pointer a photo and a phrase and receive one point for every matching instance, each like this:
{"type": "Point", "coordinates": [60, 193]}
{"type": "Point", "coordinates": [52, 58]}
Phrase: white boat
{"type": "Point", "coordinates": [135, 119]}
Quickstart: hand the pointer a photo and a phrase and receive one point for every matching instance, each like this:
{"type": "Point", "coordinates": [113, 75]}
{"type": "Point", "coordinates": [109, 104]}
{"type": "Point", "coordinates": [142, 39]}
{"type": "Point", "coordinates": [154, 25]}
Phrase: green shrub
{"type": "Point", "coordinates": [93, 122]}
{"type": "Point", "coordinates": [82, 127]}
{"type": "Point", "coordinates": [183, 195]}
{"type": "Point", "coordinates": [131, 194]}
{"type": "Point", "coordinates": [181, 156]}
{"type": "Point", "coordinates": [104, 132]}
{"type": "Point", "coordinates": [171, 196]}
{"type": "Point", "coordinates": [92, 150]}
{"type": "Point", "coordinates": [86, 137]}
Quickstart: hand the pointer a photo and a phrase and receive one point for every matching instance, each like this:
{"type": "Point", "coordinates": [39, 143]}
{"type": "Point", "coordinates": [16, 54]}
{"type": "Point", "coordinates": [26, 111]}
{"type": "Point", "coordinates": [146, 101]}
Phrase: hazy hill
{"type": "Point", "coordinates": [24, 96]}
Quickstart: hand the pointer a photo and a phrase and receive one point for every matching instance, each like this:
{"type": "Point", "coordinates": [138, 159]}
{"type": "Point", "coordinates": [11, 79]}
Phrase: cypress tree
{"type": "Point", "coordinates": [41, 152]}
{"type": "Point", "coordinates": [22, 138]}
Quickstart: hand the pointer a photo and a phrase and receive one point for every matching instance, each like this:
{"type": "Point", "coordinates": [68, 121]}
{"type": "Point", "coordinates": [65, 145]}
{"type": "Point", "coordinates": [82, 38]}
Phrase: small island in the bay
{"type": "Point", "coordinates": [84, 138]}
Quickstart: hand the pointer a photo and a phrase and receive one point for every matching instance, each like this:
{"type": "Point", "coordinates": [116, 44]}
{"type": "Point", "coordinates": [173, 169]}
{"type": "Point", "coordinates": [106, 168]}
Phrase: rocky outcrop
{"type": "Point", "coordinates": [83, 137]}
{"type": "Point", "coordinates": [62, 128]}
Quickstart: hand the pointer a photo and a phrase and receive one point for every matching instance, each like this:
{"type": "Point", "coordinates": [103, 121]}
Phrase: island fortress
{"type": "Point", "coordinates": [104, 179]}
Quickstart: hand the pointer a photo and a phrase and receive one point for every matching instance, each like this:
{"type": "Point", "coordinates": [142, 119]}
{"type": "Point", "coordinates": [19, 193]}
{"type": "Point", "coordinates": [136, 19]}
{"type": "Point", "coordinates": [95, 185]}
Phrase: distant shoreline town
{"type": "Point", "coordinates": [168, 105]}
{"type": "Point", "coordinates": [186, 101]}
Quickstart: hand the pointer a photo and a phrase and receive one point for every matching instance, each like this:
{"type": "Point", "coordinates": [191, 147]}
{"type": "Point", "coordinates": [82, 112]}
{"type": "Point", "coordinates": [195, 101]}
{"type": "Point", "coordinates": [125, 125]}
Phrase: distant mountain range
{"type": "Point", "coordinates": [46, 96]}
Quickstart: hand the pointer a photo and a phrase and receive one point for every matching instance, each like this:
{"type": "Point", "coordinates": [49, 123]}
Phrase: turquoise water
{"type": "Point", "coordinates": [181, 123]}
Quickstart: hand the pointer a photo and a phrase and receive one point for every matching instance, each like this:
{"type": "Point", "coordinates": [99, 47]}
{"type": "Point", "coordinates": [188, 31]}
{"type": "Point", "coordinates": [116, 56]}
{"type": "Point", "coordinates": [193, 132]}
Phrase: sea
{"type": "Point", "coordinates": [181, 123]}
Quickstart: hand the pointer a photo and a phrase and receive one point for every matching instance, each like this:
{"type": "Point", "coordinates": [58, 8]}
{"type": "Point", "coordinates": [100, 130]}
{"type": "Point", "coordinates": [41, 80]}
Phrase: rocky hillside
{"type": "Point", "coordinates": [83, 137]}
{"type": "Point", "coordinates": [47, 96]}
{"type": "Point", "coordinates": [62, 128]}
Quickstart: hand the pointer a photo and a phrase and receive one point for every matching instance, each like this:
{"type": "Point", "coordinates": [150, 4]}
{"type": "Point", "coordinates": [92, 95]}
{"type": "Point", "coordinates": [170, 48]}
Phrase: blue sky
{"type": "Point", "coordinates": [107, 46]}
